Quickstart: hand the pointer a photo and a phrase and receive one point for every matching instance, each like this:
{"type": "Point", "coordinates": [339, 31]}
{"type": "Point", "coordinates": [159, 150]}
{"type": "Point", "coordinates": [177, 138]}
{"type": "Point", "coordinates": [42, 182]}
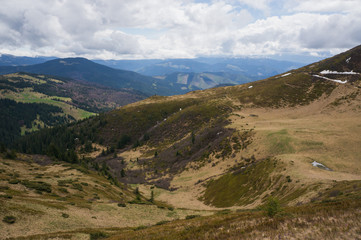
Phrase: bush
{"type": "Point", "coordinates": [10, 154]}
{"type": "Point", "coordinates": [121, 205]}
{"type": "Point", "coordinates": [9, 219]}
{"type": "Point", "coordinates": [192, 216]}
{"type": "Point", "coordinates": [141, 227]}
{"type": "Point", "coordinates": [6, 196]}
{"type": "Point", "coordinates": [98, 235]}
{"type": "Point", "coordinates": [162, 222]}
{"type": "Point", "coordinates": [77, 186]}
{"type": "Point", "coordinates": [64, 215]}
{"type": "Point", "coordinates": [14, 181]}
{"type": "Point", "coordinates": [272, 207]}
{"type": "Point", "coordinates": [63, 190]}
{"type": "Point", "coordinates": [39, 186]}
{"type": "Point", "coordinates": [63, 183]}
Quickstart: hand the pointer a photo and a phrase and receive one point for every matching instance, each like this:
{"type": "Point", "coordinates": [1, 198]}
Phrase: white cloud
{"type": "Point", "coordinates": [262, 5]}
{"type": "Point", "coordinates": [177, 28]}
{"type": "Point", "coordinates": [326, 6]}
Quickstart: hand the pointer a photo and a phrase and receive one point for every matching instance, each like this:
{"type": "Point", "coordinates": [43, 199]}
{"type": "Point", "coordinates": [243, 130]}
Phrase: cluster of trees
{"type": "Point", "coordinates": [14, 115]}
{"type": "Point", "coordinates": [62, 141]}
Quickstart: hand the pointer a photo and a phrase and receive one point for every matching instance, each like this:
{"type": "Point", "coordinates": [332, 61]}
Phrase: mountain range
{"type": "Point", "coordinates": [254, 68]}
{"type": "Point", "coordinates": [86, 70]}
{"type": "Point", "coordinates": [277, 155]}
{"type": "Point", "coordinates": [172, 76]}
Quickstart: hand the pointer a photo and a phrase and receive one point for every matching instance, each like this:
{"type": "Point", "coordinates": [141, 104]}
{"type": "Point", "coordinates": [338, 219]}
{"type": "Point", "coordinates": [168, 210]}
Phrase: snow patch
{"type": "Point", "coordinates": [335, 72]}
{"type": "Point", "coordinates": [171, 65]}
{"type": "Point", "coordinates": [232, 67]}
{"type": "Point", "coordinates": [320, 165]}
{"type": "Point", "coordinates": [329, 79]}
{"type": "Point", "coordinates": [286, 74]}
{"type": "Point", "coordinates": [348, 60]}
{"type": "Point", "coordinates": [250, 87]}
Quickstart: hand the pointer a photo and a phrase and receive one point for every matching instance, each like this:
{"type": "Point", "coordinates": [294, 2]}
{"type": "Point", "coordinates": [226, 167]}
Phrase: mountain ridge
{"type": "Point", "coordinates": [86, 70]}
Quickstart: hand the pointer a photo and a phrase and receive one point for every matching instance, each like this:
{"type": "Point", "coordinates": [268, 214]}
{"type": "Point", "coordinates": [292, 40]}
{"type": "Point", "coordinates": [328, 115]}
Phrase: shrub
{"type": "Point", "coordinates": [64, 215]}
{"type": "Point", "coordinates": [121, 205]}
{"type": "Point", "coordinates": [63, 183]}
{"type": "Point", "coordinates": [63, 190]}
{"type": "Point", "coordinates": [140, 227]}
{"type": "Point", "coordinates": [6, 196]}
{"type": "Point", "coordinates": [9, 219]}
{"type": "Point", "coordinates": [272, 207]}
{"type": "Point", "coordinates": [14, 181]}
{"type": "Point", "coordinates": [151, 197]}
{"type": "Point", "coordinates": [39, 186]}
{"type": "Point", "coordinates": [289, 179]}
{"type": "Point", "coordinates": [10, 154]}
{"type": "Point", "coordinates": [77, 186]}
{"type": "Point", "coordinates": [97, 235]}
{"type": "Point", "coordinates": [192, 216]}
{"type": "Point", "coordinates": [162, 222]}
{"type": "Point", "coordinates": [4, 188]}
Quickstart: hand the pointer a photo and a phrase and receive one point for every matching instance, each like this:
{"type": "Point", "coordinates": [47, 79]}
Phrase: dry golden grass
{"type": "Point", "coordinates": [295, 135]}
{"type": "Point", "coordinates": [94, 206]}
{"type": "Point", "coordinates": [317, 221]}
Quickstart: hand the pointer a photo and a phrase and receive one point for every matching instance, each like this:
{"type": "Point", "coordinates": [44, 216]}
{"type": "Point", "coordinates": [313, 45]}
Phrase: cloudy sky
{"type": "Point", "coordinates": [136, 29]}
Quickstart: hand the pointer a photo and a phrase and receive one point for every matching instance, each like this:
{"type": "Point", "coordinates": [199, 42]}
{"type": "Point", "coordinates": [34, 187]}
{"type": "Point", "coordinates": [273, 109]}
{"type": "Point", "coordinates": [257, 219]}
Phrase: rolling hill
{"type": "Point", "coordinates": [30, 102]}
{"type": "Point", "coordinates": [203, 73]}
{"type": "Point", "coordinates": [86, 70]}
{"type": "Point", "coordinates": [253, 68]}
{"type": "Point", "coordinates": [10, 60]}
{"type": "Point", "coordinates": [197, 81]}
{"type": "Point", "coordinates": [287, 142]}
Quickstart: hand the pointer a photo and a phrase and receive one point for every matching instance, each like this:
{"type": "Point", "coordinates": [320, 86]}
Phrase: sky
{"type": "Point", "coordinates": [159, 29]}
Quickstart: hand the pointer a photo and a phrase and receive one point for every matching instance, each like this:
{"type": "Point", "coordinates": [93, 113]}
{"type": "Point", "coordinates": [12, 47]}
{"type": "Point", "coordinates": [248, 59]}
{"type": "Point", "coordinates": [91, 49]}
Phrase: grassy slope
{"type": "Point", "coordinates": [275, 130]}
{"type": "Point", "coordinates": [29, 95]}
{"type": "Point", "coordinates": [337, 220]}
{"type": "Point", "coordinates": [296, 119]}
{"type": "Point", "coordinates": [74, 199]}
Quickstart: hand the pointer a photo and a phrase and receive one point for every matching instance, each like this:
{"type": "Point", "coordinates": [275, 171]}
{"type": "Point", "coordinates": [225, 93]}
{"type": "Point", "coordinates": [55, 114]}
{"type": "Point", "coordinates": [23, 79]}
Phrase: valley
{"type": "Point", "coordinates": [278, 157]}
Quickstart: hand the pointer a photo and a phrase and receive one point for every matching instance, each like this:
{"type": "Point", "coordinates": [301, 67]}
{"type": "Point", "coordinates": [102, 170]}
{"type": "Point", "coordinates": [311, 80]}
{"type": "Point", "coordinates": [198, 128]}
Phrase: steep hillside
{"type": "Point", "coordinates": [42, 101]}
{"type": "Point", "coordinates": [293, 137]}
{"type": "Point", "coordinates": [86, 70]}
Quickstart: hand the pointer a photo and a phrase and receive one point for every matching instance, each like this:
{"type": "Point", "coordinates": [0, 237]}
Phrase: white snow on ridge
{"type": "Point", "coordinates": [335, 72]}
{"type": "Point", "coordinates": [320, 165]}
{"type": "Point", "coordinates": [333, 80]}
{"type": "Point", "coordinates": [315, 164]}
{"type": "Point", "coordinates": [286, 74]}
{"type": "Point", "coordinates": [348, 60]}
{"type": "Point", "coordinates": [250, 87]}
